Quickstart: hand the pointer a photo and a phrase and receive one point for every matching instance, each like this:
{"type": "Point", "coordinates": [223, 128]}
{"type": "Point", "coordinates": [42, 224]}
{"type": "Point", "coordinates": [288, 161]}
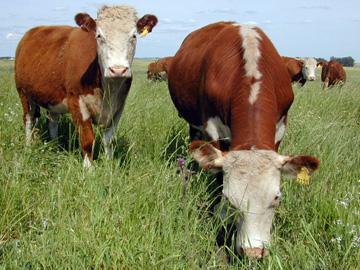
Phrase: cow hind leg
{"type": "Point", "coordinates": [53, 126]}
{"type": "Point", "coordinates": [31, 114]}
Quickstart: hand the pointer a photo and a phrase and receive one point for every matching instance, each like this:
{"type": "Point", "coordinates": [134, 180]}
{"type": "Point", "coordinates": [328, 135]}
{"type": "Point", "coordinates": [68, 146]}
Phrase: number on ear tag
{"type": "Point", "coordinates": [303, 177]}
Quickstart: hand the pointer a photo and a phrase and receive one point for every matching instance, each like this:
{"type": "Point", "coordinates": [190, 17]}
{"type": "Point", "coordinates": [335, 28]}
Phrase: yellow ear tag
{"type": "Point", "coordinates": [303, 177]}
{"type": "Point", "coordinates": [144, 32]}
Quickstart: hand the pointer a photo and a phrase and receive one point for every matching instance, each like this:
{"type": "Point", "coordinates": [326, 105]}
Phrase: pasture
{"type": "Point", "coordinates": [135, 212]}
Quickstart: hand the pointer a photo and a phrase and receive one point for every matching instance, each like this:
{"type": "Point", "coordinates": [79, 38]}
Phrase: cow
{"type": "Point", "coordinates": [157, 71]}
{"type": "Point", "coordinates": [300, 70]}
{"type": "Point", "coordinates": [229, 83]}
{"type": "Point", "coordinates": [332, 73]}
{"type": "Point", "coordinates": [83, 70]}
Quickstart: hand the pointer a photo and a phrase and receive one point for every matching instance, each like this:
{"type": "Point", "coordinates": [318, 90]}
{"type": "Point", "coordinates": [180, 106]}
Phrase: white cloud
{"type": "Point", "coordinates": [268, 22]}
{"type": "Point", "coordinates": [318, 7]}
{"type": "Point", "coordinates": [12, 36]}
{"type": "Point", "coordinates": [251, 22]}
{"type": "Point", "coordinates": [60, 8]}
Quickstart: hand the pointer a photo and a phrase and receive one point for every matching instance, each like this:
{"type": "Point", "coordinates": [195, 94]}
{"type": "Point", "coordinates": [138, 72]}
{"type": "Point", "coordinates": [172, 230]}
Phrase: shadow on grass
{"type": "Point", "coordinates": [68, 140]}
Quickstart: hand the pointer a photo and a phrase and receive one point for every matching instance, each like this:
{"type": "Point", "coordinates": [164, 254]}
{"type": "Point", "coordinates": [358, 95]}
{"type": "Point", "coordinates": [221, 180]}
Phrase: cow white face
{"type": "Point", "coordinates": [251, 183]}
{"type": "Point", "coordinates": [116, 40]}
{"type": "Point", "coordinates": [309, 68]}
{"type": "Point", "coordinates": [115, 30]}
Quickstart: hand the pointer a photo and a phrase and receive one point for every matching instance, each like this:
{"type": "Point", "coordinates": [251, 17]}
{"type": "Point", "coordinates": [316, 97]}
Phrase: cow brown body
{"type": "Point", "coordinates": [230, 84]}
{"type": "Point", "coordinates": [55, 76]}
{"type": "Point", "coordinates": [207, 79]}
{"type": "Point", "coordinates": [66, 69]}
{"type": "Point", "coordinates": [332, 74]}
{"type": "Point", "coordinates": [158, 70]}
{"type": "Point", "coordinates": [294, 67]}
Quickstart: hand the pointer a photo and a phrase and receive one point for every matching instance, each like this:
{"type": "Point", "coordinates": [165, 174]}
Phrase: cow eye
{"type": "Point", "coordinates": [134, 36]}
{"type": "Point", "coordinates": [98, 36]}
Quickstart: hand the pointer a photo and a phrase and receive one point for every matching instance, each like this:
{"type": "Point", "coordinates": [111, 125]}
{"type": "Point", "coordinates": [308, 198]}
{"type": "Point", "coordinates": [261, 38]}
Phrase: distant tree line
{"type": "Point", "coordinates": [345, 61]}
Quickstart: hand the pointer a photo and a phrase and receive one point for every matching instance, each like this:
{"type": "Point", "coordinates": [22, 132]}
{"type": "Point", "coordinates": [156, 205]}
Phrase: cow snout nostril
{"type": "Point", "coordinates": [118, 71]}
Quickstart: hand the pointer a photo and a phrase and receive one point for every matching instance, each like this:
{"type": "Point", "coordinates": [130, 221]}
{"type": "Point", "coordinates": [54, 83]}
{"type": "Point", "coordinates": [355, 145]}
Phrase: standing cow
{"type": "Point", "coordinates": [332, 74]}
{"type": "Point", "coordinates": [157, 71]}
{"type": "Point", "coordinates": [300, 70]}
{"type": "Point", "coordinates": [229, 82]}
{"type": "Point", "coordinates": [83, 70]}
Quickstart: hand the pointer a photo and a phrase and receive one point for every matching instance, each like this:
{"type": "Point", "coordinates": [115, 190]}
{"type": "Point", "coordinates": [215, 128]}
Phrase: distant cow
{"type": "Point", "coordinates": [157, 71]}
{"type": "Point", "coordinates": [332, 73]}
{"type": "Point", "coordinates": [229, 83]}
{"type": "Point", "coordinates": [83, 70]}
{"type": "Point", "coordinates": [300, 70]}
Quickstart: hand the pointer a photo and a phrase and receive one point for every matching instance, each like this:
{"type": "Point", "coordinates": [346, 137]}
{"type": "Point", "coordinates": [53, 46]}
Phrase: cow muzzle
{"type": "Point", "coordinates": [312, 78]}
{"type": "Point", "coordinates": [119, 72]}
{"type": "Point", "coordinates": [254, 253]}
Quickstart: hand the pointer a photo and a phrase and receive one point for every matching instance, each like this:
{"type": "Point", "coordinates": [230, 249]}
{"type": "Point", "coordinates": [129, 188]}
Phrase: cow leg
{"type": "Point", "coordinates": [194, 133]}
{"type": "Point", "coordinates": [326, 84]}
{"type": "Point", "coordinates": [108, 134]}
{"type": "Point", "coordinates": [31, 113]}
{"type": "Point", "coordinates": [82, 121]}
{"type": "Point", "coordinates": [53, 119]}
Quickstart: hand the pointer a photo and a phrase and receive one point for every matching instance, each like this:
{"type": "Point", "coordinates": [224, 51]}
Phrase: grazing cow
{"type": "Point", "coordinates": [229, 83]}
{"type": "Point", "coordinates": [157, 71]}
{"type": "Point", "coordinates": [300, 70]}
{"type": "Point", "coordinates": [83, 70]}
{"type": "Point", "coordinates": [332, 74]}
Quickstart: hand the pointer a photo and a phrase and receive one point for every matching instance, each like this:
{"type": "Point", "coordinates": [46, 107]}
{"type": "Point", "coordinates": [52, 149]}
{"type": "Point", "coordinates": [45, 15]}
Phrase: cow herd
{"type": "Point", "coordinates": [300, 71]}
{"type": "Point", "coordinates": [227, 81]}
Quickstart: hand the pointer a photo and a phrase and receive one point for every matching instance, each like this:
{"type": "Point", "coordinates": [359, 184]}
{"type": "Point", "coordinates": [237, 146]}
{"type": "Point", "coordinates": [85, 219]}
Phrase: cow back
{"type": "Point", "coordinates": [208, 78]}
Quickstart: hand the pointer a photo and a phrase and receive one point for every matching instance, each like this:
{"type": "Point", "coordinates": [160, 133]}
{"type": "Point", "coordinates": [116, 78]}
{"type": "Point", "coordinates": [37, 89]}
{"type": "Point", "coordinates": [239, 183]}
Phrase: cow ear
{"type": "Point", "coordinates": [85, 21]}
{"type": "Point", "coordinates": [146, 24]}
{"type": "Point", "coordinates": [300, 62]}
{"type": "Point", "coordinates": [294, 164]}
{"type": "Point", "coordinates": [206, 155]}
{"type": "Point", "coordinates": [320, 64]}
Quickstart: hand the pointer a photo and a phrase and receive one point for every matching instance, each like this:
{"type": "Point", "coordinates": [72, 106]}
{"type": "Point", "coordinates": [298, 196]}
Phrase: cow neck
{"type": "Point", "coordinates": [253, 126]}
{"type": "Point", "coordinates": [114, 93]}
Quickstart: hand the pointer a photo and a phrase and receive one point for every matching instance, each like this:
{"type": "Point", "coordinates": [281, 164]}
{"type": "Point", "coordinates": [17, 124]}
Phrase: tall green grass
{"type": "Point", "coordinates": [135, 212]}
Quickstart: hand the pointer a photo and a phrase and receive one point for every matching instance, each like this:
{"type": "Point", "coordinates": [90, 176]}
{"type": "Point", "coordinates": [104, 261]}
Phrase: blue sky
{"type": "Point", "coordinates": [297, 28]}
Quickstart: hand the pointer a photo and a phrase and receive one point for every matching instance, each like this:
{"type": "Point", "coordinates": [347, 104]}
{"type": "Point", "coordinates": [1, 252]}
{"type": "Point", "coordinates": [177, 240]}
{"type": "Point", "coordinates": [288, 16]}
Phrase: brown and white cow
{"type": "Point", "coordinates": [332, 74]}
{"type": "Point", "coordinates": [300, 70]}
{"type": "Point", "coordinates": [157, 71]}
{"type": "Point", "coordinates": [83, 70]}
{"type": "Point", "coordinates": [229, 82]}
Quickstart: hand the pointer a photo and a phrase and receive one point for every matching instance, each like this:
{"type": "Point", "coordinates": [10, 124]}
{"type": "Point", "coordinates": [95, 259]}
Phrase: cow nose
{"type": "Point", "coordinates": [312, 78]}
{"type": "Point", "coordinates": [119, 71]}
{"type": "Point", "coordinates": [255, 253]}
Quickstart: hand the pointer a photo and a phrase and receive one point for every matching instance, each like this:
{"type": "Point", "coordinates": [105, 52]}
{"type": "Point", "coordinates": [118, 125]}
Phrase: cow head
{"type": "Point", "coordinates": [309, 68]}
{"type": "Point", "coordinates": [115, 30]}
{"type": "Point", "coordinates": [252, 184]}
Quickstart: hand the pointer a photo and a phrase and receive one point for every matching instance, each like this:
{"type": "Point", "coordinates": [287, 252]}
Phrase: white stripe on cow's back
{"type": "Point", "coordinates": [251, 46]}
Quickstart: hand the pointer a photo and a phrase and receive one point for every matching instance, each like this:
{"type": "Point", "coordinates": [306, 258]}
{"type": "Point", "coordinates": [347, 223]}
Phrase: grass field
{"type": "Point", "coordinates": [136, 213]}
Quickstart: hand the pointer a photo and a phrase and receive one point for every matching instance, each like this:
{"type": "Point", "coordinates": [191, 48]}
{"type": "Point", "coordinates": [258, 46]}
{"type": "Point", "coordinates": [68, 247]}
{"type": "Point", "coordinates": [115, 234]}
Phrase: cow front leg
{"type": "Point", "coordinates": [326, 84]}
{"type": "Point", "coordinates": [83, 123]}
{"type": "Point", "coordinates": [108, 134]}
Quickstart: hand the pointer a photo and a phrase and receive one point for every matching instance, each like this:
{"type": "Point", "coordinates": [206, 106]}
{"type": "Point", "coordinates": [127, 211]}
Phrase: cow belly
{"type": "Point", "coordinates": [61, 107]}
